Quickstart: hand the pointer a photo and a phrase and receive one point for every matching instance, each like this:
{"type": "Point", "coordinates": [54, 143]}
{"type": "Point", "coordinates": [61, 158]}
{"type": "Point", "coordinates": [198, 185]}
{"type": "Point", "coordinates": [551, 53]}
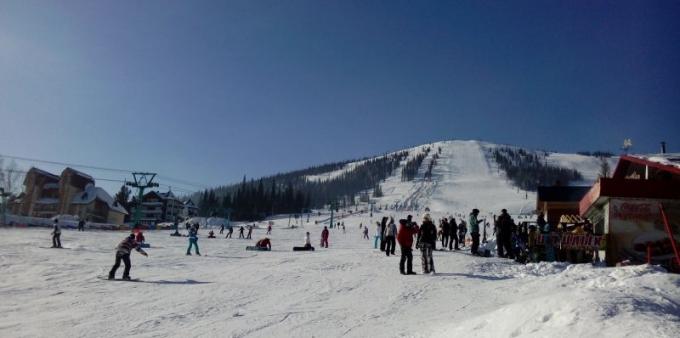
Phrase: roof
{"type": "Point", "coordinates": [666, 162]}
{"type": "Point", "coordinates": [91, 193]}
{"type": "Point", "coordinates": [79, 173]}
{"type": "Point", "coordinates": [561, 193]}
{"type": "Point", "coordinates": [44, 173]}
{"type": "Point", "coordinates": [189, 203]}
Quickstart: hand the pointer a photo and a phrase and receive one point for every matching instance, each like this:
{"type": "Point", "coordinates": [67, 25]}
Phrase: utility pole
{"type": "Point", "coordinates": [142, 181]}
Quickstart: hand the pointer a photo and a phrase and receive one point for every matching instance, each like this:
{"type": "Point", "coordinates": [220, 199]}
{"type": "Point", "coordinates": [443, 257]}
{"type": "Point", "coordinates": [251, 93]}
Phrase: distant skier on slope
{"type": "Point", "coordinates": [365, 233]}
{"type": "Point", "coordinates": [56, 234]}
{"type": "Point", "coordinates": [193, 240]}
{"type": "Point", "coordinates": [231, 231]}
{"type": "Point", "coordinates": [453, 233]}
{"type": "Point", "coordinates": [240, 232]}
{"type": "Point", "coordinates": [250, 232]}
{"type": "Point", "coordinates": [427, 241]}
{"type": "Point", "coordinates": [123, 254]}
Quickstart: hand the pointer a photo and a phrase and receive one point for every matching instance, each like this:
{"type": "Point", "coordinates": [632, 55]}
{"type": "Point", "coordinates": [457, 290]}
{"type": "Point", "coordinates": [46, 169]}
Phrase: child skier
{"type": "Point", "coordinates": [123, 254]}
{"type": "Point", "coordinates": [193, 240]}
{"type": "Point", "coordinates": [56, 234]}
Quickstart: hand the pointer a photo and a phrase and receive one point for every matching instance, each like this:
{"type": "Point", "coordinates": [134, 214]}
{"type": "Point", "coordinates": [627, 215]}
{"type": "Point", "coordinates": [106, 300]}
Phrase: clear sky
{"type": "Point", "coordinates": [208, 91]}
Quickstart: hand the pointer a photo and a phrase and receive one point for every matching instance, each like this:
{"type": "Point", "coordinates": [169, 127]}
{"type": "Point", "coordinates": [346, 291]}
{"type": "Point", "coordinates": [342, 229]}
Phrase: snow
{"type": "Point", "coordinates": [670, 159]}
{"type": "Point", "coordinates": [349, 290]}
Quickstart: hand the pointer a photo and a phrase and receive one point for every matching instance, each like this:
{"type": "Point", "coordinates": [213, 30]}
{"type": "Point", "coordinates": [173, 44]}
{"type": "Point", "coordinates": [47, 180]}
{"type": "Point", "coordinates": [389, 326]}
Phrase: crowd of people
{"type": "Point", "coordinates": [513, 241]}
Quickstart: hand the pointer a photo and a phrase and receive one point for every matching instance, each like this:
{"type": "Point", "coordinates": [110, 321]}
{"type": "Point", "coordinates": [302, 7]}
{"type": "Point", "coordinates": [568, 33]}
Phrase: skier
{"type": "Point", "coordinates": [427, 240]}
{"type": "Point", "coordinates": [390, 233]}
{"type": "Point", "coordinates": [123, 254]}
{"type": "Point", "coordinates": [462, 231]}
{"type": "Point", "coordinates": [453, 234]}
{"type": "Point", "coordinates": [366, 233]}
{"type": "Point", "coordinates": [405, 237]}
{"type": "Point", "coordinates": [231, 231]}
{"type": "Point", "coordinates": [240, 232]}
{"type": "Point", "coordinates": [324, 237]}
{"type": "Point", "coordinates": [56, 234]}
{"type": "Point", "coordinates": [250, 232]}
{"type": "Point", "coordinates": [221, 229]}
{"type": "Point", "coordinates": [193, 240]}
{"type": "Point", "coordinates": [264, 243]}
{"type": "Point", "coordinates": [474, 231]}
{"type": "Point", "coordinates": [269, 229]}
{"type": "Point", "coordinates": [504, 235]}
{"type": "Point", "coordinates": [81, 225]}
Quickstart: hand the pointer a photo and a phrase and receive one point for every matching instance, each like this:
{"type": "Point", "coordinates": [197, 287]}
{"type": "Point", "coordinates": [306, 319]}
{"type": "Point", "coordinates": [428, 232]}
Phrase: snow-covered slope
{"type": "Point", "coordinates": [465, 177]}
{"type": "Point", "coordinates": [348, 290]}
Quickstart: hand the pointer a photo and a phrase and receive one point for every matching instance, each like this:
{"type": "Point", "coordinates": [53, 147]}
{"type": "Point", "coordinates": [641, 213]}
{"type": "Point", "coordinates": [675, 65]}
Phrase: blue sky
{"type": "Point", "coordinates": [208, 91]}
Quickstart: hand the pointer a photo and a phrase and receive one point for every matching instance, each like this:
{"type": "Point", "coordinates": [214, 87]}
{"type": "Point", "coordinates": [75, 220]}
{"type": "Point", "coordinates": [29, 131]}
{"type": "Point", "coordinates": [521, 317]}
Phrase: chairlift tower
{"type": "Point", "coordinates": [141, 181]}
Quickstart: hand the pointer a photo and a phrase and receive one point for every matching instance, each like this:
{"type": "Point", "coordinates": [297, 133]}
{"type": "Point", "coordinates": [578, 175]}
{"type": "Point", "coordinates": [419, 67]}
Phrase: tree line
{"type": "Point", "coordinates": [528, 171]}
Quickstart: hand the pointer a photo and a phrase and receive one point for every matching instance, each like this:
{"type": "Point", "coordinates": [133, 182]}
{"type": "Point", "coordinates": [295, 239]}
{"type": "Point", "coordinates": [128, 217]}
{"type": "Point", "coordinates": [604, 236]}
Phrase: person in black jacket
{"type": "Point", "coordinates": [453, 234]}
{"type": "Point", "coordinates": [383, 225]}
{"type": "Point", "coordinates": [504, 235]}
{"type": "Point", "coordinates": [427, 241]}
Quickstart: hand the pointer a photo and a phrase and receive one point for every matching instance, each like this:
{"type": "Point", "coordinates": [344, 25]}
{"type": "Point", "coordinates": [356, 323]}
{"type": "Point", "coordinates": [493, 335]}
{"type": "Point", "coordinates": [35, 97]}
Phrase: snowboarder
{"type": "Point", "coordinates": [81, 225]}
{"type": "Point", "coordinates": [427, 240]}
{"type": "Point", "coordinates": [405, 238]}
{"type": "Point", "coordinates": [389, 235]}
{"type": "Point", "coordinates": [365, 232]}
{"type": "Point", "coordinates": [193, 240]}
{"type": "Point", "coordinates": [324, 238]}
{"type": "Point", "coordinates": [474, 231]}
{"type": "Point", "coordinates": [264, 243]}
{"type": "Point", "coordinates": [211, 234]}
{"type": "Point", "coordinates": [231, 231]}
{"type": "Point", "coordinates": [221, 229]}
{"type": "Point", "coordinates": [123, 254]}
{"type": "Point", "coordinates": [250, 232]}
{"type": "Point", "coordinates": [308, 245]}
{"type": "Point", "coordinates": [56, 234]}
{"type": "Point", "coordinates": [240, 232]}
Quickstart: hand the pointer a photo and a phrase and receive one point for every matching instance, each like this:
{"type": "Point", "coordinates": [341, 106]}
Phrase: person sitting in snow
{"type": "Point", "coordinates": [264, 243]}
{"type": "Point", "coordinates": [123, 254]}
{"type": "Point", "coordinates": [211, 234]}
{"type": "Point", "coordinates": [308, 241]}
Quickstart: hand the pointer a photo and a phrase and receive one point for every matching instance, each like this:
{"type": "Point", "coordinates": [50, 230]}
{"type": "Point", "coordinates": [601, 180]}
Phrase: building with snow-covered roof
{"type": "Point", "coordinates": [638, 209]}
{"type": "Point", "coordinates": [190, 209]}
{"type": "Point", "coordinates": [72, 193]}
{"type": "Point", "coordinates": [158, 207]}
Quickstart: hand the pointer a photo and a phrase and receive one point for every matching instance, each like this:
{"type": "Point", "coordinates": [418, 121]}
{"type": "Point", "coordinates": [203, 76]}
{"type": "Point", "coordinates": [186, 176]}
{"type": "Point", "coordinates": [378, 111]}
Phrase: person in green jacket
{"type": "Point", "coordinates": [474, 231]}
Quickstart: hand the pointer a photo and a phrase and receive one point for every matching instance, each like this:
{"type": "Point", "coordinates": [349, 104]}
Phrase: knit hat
{"type": "Point", "coordinates": [427, 217]}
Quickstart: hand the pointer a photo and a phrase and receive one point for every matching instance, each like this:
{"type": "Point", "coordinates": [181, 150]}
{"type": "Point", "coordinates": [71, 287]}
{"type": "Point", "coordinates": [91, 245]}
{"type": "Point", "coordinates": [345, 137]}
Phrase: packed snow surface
{"type": "Point", "coordinates": [348, 290]}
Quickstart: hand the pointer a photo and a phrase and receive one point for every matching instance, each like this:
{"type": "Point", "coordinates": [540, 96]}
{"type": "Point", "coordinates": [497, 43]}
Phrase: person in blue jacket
{"type": "Point", "coordinates": [193, 240]}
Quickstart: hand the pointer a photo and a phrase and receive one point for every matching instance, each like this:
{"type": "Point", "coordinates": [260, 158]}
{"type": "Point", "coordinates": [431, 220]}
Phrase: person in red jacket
{"type": "Point", "coordinates": [264, 243]}
{"type": "Point", "coordinates": [405, 238]}
{"type": "Point", "coordinates": [324, 237]}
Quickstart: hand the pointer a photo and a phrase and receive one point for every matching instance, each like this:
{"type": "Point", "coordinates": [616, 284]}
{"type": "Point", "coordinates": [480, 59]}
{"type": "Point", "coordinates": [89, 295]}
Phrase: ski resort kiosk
{"type": "Point", "coordinates": [638, 210]}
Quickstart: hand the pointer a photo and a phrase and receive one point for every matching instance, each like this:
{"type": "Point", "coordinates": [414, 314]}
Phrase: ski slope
{"type": "Point", "coordinates": [348, 290]}
{"type": "Point", "coordinates": [466, 178]}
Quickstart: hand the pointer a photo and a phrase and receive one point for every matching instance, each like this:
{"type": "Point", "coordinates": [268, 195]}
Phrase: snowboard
{"type": "Point", "coordinates": [255, 248]}
{"type": "Point", "coordinates": [49, 247]}
{"type": "Point", "coordinates": [106, 278]}
{"type": "Point", "coordinates": [302, 248]}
